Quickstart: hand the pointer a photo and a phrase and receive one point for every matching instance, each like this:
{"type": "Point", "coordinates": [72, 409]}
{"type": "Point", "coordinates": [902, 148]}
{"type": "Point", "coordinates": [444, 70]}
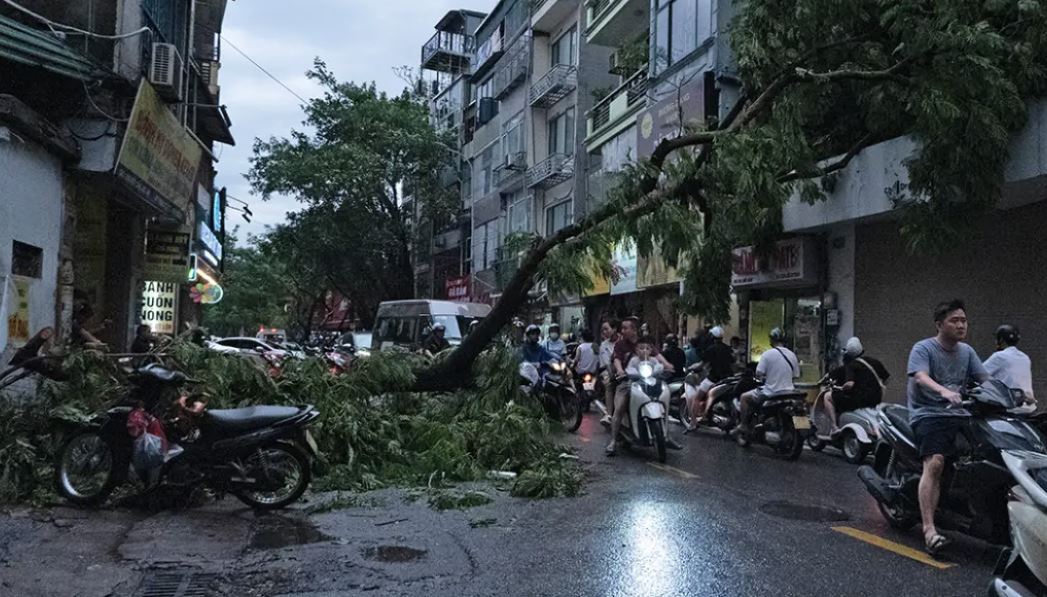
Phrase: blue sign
{"type": "Point", "coordinates": [208, 239]}
{"type": "Point", "coordinates": [216, 212]}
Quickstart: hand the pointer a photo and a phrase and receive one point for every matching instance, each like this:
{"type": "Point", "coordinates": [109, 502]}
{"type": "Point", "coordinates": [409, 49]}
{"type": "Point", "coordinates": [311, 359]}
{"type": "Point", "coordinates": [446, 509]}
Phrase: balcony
{"type": "Point", "coordinates": [617, 108]}
{"type": "Point", "coordinates": [550, 172]}
{"type": "Point", "coordinates": [557, 84]}
{"type": "Point", "coordinates": [487, 53]}
{"type": "Point", "coordinates": [513, 67]}
{"type": "Point", "coordinates": [510, 172]}
{"type": "Point", "coordinates": [611, 21]}
{"type": "Point", "coordinates": [447, 52]}
{"type": "Point", "coordinates": [546, 15]}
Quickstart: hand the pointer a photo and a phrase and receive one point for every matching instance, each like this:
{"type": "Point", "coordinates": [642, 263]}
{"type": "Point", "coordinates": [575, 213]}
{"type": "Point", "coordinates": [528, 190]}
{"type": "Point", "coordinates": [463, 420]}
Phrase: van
{"type": "Point", "coordinates": [406, 324]}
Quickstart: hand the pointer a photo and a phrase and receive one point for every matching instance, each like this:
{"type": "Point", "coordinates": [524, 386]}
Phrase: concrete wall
{"type": "Point", "coordinates": [998, 273]}
{"type": "Point", "coordinates": [31, 212]}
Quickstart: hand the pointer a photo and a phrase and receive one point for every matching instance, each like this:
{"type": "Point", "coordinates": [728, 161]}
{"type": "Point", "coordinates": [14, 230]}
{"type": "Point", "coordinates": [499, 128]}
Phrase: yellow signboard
{"type": "Point", "coordinates": [158, 158]}
{"type": "Point", "coordinates": [654, 271]}
{"type": "Point", "coordinates": [18, 320]}
{"type": "Point", "coordinates": [764, 316]}
{"type": "Point", "coordinates": [599, 282]}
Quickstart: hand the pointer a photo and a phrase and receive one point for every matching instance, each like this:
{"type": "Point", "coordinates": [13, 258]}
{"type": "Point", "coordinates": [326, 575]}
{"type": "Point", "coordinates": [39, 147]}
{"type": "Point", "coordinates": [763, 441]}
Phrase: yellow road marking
{"type": "Point", "coordinates": [891, 546]}
{"type": "Point", "coordinates": [673, 470]}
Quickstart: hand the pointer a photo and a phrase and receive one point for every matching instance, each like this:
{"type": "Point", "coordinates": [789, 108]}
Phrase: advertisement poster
{"type": "Point", "coordinates": [159, 302]}
{"type": "Point", "coordinates": [625, 269]}
{"type": "Point", "coordinates": [166, 256]}
{"type": "Point", "coordinates": [764, 316]}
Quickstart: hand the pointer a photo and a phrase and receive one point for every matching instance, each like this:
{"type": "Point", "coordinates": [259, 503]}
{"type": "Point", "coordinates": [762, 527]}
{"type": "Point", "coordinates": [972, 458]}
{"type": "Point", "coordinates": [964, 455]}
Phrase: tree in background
{"type": "Point", "coordinates": [256, 292]}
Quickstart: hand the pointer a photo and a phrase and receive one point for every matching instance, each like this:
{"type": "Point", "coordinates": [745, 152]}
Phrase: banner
{"type": "Point", "coordinates": [790, 263]}
{"type": "Point", "coordinates": [159, 303]}
{"type": "Point", "coordinates": [624, 265]}
{"type": "Point", "coordinates": [166, 256]}
{"type": "Point", "coordinates": [457, 289]}
{"type": "Point", "coordinates": [663, 120]}
{"type": "Point", "coordinates": [158, 158]}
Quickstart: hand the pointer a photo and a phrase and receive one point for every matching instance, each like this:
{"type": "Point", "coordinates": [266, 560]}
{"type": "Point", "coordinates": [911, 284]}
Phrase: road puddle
{"type": "Point", "coordinates": [274, 532]}
{"type": "Point", "coordinates": [394, 553]}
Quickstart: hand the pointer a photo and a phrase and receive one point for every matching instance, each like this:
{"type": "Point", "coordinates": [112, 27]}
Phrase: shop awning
{"type": "Point", "coordinates": [43, 49]}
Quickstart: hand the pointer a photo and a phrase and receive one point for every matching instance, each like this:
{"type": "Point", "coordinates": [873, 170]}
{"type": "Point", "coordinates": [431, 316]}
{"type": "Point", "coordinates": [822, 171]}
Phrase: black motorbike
{"type": "Point", "coordinates": [722, 413]}
{"type": "Point", "coordinates": [556, 391]}
{"type": "Point", "coordinates": [975, 483]}
{"type": "Point", "coordinates": [779, 421]}
{"type": "Point", "coordinates": [261, 454]}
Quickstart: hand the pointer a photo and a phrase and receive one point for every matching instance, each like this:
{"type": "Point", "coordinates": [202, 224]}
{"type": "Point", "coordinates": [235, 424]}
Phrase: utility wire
{"type": "Point", "coordinates": [53, 24]}
{"type": "Point", "coordinates": [261, 68]}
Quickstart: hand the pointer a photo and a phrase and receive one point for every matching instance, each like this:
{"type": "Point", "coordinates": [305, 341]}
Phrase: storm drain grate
{"type": "Point", "coordinates": [177, 584]}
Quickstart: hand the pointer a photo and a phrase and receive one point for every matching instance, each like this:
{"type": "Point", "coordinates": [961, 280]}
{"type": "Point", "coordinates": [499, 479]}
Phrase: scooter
{"type": "Point", "coordinates": [779, 421]}
{"type": "Point", "coordinates": [647, 420]}
{"type": "Point", "coordinates": [975, 483]}
{"type": "Point", "coordinates": [857, 434]}
{"type": "Point", "coordinates": [556, 392]}
{"type": "Point", "coordinates": [591, 392]}
{"type": "Point", "coordinates": [1022, 570]}
{"type": "Point", "coordinates": [722, 413]}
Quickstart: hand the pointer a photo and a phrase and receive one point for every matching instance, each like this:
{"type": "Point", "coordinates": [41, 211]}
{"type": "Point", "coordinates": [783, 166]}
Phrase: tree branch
{"type": "Point", "coordinates": [866, 140]}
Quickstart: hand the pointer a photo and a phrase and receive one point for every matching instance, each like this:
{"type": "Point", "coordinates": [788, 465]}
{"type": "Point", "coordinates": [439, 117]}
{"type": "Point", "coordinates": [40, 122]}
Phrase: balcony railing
{"type": "Point", "coordinates": [513, 67]}
{"type": "Point", "coordinates": [511, 171]}
{"type": "Point", "coordinates": [628, 96]}
{"type": "Point", "coordinates": [557, 84]}
{"type": "Point", "coordinates": [550, 172]}
{"type": "Point", "coordinates": [596, 9]}
{"type": "Point", "coordinates": [447, 51]}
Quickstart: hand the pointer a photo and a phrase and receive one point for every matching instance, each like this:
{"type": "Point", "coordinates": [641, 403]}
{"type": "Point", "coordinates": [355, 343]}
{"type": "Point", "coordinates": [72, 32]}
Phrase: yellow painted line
{"type": "Point", "coordinates": [672, 470]}
{"type": "Point", "coordinates": [891, 546]}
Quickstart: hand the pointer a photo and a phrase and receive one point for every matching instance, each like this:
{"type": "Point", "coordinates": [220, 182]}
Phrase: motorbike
{"type": "Point", "coordinates": [261, 454]}
{"type": "Point", "coordinates": [857, 433]}
{"type": "Point", "coordinates": [555, 390]}
{"type": "Point", "coordinates": [722, 413]}
{"type": "Point", "coordinates": [647, 420]}
{"type": "Point", "coordinates": [975, 483]}
{"type": "Point", "coordinates": [1022, 570]}
{"type": "Point", "coordinates": [779, 421]}
{"type": "Point", "coordinates": [591, 391]}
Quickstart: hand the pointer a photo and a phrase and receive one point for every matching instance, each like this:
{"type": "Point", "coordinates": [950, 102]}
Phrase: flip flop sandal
{"type": "Point", "coordinates": [610, 452]}
{"type": "Point", "coordinates": [936, 544]}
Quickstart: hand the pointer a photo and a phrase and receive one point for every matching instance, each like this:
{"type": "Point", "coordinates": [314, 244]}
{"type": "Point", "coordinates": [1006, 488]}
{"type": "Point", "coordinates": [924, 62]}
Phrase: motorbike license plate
{"type": "Point", "coordinates": [589, 386]}
{"type": "Point", "coordinates": [311, 442]}
{"type": "Point", "coordinates": [801, 423]}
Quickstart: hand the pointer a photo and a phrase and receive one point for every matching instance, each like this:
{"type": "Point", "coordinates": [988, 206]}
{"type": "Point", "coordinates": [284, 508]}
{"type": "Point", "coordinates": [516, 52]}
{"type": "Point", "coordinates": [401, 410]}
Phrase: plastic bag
{"type": "Point", "coordinates": [150, 444]}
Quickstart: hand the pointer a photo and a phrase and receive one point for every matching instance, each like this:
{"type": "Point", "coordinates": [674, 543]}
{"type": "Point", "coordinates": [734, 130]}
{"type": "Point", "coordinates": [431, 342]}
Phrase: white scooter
{"type": "Point", "coordinates": [856, 436]}
{"type": "Point", "coordinates": [647, 423]}
{"type": "Point", "coordinates": [1022, 571]}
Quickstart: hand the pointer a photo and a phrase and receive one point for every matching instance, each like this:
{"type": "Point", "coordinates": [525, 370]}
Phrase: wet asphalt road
{"type": "Point", "coordinates": [717, 520]}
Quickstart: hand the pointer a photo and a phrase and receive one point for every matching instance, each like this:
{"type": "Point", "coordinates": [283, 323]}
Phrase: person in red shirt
{"type": "Point", "coordinates": [624, 350]}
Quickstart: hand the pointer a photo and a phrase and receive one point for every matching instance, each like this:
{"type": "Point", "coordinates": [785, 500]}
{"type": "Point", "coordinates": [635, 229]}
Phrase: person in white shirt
{"type": "Point", "coordinates": [777, 367]}
{"type": "Point", "coordinates": [586, 360]}
{"type": "Point", "coordinates": [609, 333]}
{"type": "Point", "coordinates": [1010, 365]}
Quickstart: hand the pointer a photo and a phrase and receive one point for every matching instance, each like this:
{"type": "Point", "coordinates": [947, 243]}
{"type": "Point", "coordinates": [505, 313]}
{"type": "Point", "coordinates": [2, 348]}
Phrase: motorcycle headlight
{"type": "Point", "coordinates": [646, 370]}
{"type": "Point", "coordinates": [557, 366]}
{"type": "Point", "coordinates": [588, 377]}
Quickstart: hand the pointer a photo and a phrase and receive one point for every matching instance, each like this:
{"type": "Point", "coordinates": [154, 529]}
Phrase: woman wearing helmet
{"type": "Point", "coordinates": [1010, 365]}
{"type": "Point", "coordinates": [862, 379]}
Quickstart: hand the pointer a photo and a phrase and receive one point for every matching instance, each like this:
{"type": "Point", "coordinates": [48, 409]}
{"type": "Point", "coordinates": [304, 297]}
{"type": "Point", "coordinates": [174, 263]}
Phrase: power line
{"type": "Point", "coordinates": [53, 24]}
{"type": "Point", "coordinates": [261, 68]}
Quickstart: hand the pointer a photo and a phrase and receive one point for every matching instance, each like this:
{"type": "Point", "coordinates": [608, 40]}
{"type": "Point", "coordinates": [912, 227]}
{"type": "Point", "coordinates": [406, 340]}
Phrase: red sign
{"type": "Point", "coordinates": [458, 289]}
{"type": "Point", "coordinates": [789, 262]}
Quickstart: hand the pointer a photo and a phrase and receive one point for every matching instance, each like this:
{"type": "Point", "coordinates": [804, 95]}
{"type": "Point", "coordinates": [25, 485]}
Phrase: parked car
{"type": "Point", "coordinates": [406, 324]}
{"type": "Point", "coordinates": [293, 350]}
{"type": "Point", "coordinates": [252, 346]}
{"type": "Point", "coordinates": [360, 341]}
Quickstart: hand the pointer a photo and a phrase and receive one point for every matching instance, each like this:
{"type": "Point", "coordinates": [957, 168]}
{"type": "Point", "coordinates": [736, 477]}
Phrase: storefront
{"type": "Point", "coordinates": [784, 289]}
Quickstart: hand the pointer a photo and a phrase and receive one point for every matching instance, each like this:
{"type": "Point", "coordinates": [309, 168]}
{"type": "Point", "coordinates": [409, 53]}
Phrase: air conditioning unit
{"type": "Point", "coordinates": [516, 160]}
{"type": "Point", "coordinates": [209, 71]}
{"type": "Point", "coordinates": [165, 71]}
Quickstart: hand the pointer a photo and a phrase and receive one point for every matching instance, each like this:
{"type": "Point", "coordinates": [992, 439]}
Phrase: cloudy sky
{"type": "Point", "coordinates": [361, 40]}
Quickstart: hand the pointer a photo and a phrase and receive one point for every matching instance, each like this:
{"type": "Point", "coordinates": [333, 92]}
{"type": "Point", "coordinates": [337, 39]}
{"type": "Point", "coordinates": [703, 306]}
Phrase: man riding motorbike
{"type": "Point", "coordinates": [720, 359]}
{"type": "Point", "coordinates": [674, 354]}
{"type": "Point", "coordinates": [533, 351]}
{"type": "Point", "coordinates": [939, 368]}
{"type": "Point", "coordinates": [778, 367]}
{"type": "Point", "coordinates": [624, 351]}
{"type": "Point", "coordinates": [1010, 365]}
{"type": "Point", "coordinates": [861, 379]}
{"type": "Point", "coordinates": [436, 343]}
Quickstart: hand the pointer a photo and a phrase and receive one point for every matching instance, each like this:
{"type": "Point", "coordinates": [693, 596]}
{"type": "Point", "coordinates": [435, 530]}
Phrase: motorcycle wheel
{"type": "Point", "coordinates": [790, 442]}
{"type": "Point", "coordinates": [570, 411]}
{"type": "Point", "coordinates": [897, 516]}
{"type": "Point", "coordinates": [284, 460]}
{"type": "Point", "coordinates": [85, 468]}
{"type": "Point", "coordinates": [814, 443]}
{"type": "Point", "coordinates": [657, 429]}
{"type": "Point", "coordinates": [854, 450]}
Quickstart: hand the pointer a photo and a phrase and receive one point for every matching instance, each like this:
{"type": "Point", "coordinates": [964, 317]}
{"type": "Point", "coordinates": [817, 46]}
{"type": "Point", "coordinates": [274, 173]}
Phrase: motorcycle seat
{"type": "Point", "coordinates": [899, 417]}
{"type": "Point", "coordinates": [252, 417]}
{"type": "Point", "coordinates": [163, 375]}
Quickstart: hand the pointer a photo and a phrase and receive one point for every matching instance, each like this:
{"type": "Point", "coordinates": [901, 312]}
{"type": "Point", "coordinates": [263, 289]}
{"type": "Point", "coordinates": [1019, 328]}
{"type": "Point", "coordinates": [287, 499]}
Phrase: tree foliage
{"type": "Point", "coordinates": [256, 292]}
{"type": "Point", "coordinates": [367, 159]}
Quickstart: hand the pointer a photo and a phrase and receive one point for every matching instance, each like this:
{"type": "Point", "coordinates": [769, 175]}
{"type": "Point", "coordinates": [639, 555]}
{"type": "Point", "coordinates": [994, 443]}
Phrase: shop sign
{"type": "Point", "coordinates": [158, 157]}
{"type": "Point", "coordinates": [654, 271]}
{"type": "Point", "coordinates": [207, 238]}
{"type": "Point", "coordinates": [18, 320]}
{"type": "Point", "coordinates": [457, 289]}
{"type": "Point", "coordinates": [790, 263]}
{"type": "Point", "coordinates": [662, 121]}
{"type": "Point", "coordinates": [159, 302]}
{"type": "Point", "coordinates": [624, 265]}
{"type": "Point", "coordinates": [166, 256]}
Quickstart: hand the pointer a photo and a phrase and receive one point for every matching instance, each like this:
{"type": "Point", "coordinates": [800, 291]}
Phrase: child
{"type": "Point", "coordinates": [644, 354]}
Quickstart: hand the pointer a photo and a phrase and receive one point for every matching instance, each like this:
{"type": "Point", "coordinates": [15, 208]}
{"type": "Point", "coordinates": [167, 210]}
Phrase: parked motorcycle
{"type": "Point", "coordinates": [974, 485]}
{"type": "Point", "coordinates": [261, 454]}
{"type": "Point", "coordinates": [555, 390]}
{"type": "Point", "coordinates": [779, 421]}
{"type": "Point", "coordinates": [857, 433]}
{"type": "Point", "coordinates": [1022, 570]}
{"type": "Point", "coordinates": [647, 420]}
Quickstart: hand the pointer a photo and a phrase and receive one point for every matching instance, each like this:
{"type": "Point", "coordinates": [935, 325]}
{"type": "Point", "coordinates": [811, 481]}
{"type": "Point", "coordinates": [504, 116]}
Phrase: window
{"type": "Point", "coordinates": [680, 27]}
{"type": "Point", "coordinates": [558, 216]}
{"type": "Point", "coordinates": [561, 133]}
{"type": "Point", "coordinates": [512, 139]}
{"type": "Point", "coordinates": [485, 178]}
{"type": "Point", "coordinates": [485, 245]}
{"type": "Point", "coordinates": [26, 260]}
{"type": "Point", "coordinates": [565, 49]}
{"type": "Point", "coordinates": [485, 89]}
{"type": "Point", "coordinates": [618, 152]}
{"type": "Point", "coordinates": [519, 219]}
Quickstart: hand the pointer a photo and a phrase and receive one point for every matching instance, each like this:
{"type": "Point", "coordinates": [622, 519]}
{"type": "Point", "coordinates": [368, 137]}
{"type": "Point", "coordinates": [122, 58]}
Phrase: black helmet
{"type": "Point", "coordinates": [671, 340]}
{"type": "Point", "coordinates": [1008, 334]}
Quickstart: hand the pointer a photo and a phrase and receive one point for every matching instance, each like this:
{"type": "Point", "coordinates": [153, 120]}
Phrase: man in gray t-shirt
{"type": "Point", "coordinates": [939, 368]}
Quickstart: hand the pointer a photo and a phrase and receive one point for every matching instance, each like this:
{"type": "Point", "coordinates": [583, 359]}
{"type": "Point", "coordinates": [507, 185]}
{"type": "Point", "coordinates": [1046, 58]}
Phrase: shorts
{"type": "Point", "coordinates": [845, 401]}
{"type": "Point", "coordinates": [938, 435]}
{"type": "Point", "coordinates": [706, 385]}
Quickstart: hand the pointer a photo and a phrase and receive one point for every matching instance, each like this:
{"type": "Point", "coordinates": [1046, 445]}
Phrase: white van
{"type": "Point", "coordinates": [406, 324]}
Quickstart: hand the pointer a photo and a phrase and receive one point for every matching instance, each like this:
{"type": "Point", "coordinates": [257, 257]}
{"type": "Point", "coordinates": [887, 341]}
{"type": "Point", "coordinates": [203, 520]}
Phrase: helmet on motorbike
{"type": "Point", "coordinates": [853, 349]}
{"type": "Point", "coordinates": [533, 331]}
{"type": "Point", "coordinates": [716, 332]}
{"type": "Point", "coordinates": [670, 340]}
{"type": "Point", "coordinates": [439, 328]}
{"type": "Point", "coordinates": [1007, 334]}
{"type": "Point", "coordinates": [777, 335]}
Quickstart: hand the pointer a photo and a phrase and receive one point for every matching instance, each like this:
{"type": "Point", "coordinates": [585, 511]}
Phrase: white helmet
{"type": "Point", "coordinates": [716, 332]}
{"type": "Point", "coordinates": [853, 348]}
